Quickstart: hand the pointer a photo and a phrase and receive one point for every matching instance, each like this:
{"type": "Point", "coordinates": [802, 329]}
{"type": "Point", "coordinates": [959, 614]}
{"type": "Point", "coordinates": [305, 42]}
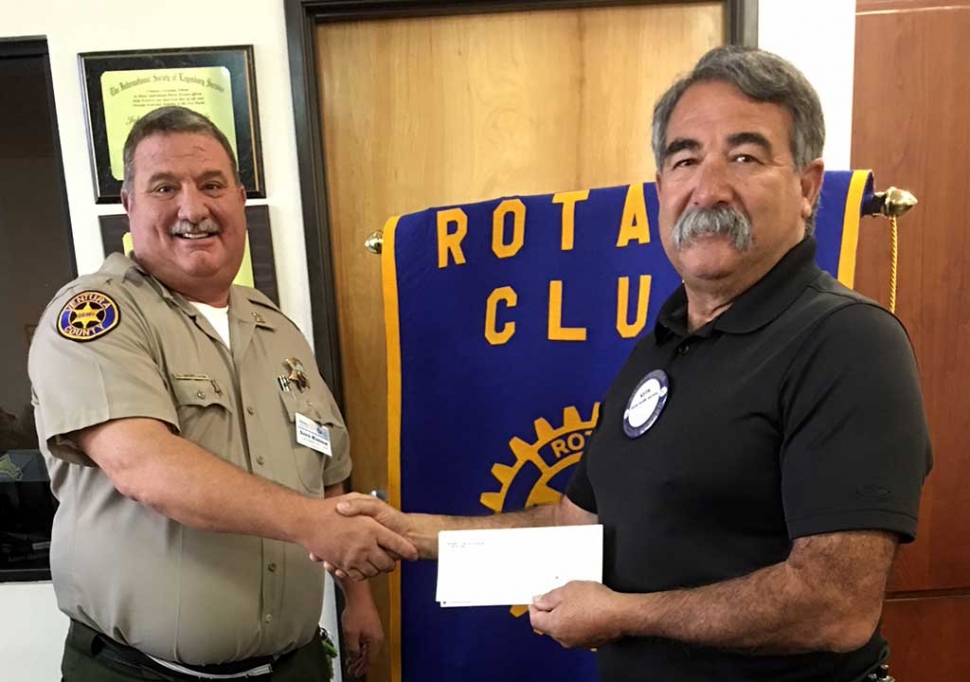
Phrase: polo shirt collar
{"type": "Point", "coordinates": [764, 301]}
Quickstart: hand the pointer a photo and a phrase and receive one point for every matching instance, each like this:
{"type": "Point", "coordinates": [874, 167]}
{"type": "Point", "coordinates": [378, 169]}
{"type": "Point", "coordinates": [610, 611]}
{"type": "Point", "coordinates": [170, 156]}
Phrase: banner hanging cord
{"type": "Point", "coordinates": [892, 203]}
{"type": "Point", "coordinates": [894, 264]}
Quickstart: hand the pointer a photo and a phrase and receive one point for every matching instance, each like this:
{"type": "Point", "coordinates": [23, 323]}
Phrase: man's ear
{"type": "Point", "coordinates": [125, 200]}
{"type": "Point", "coordinates": [657, 181]}
{"type": "Point", "coordinates": [811, 185]}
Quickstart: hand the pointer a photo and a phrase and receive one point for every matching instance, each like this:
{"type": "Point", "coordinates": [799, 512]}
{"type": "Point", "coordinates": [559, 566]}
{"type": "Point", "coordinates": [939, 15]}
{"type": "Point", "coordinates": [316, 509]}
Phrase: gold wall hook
{"type": "Point", "coordinates": [375, 242]}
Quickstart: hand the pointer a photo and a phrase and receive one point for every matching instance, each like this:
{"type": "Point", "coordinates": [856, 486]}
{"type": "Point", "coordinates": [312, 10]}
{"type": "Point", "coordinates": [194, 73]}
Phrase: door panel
{"type": "Point", "coordinates": [911, 105]}
{"type": "Point", "coordinates": [927, 638]}
{"type": "Point", "coordinates": [433, 111]}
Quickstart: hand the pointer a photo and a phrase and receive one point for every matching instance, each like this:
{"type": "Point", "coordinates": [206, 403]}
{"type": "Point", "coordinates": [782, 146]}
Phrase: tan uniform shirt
{"type": "Point", "coordinates": [171, 591]}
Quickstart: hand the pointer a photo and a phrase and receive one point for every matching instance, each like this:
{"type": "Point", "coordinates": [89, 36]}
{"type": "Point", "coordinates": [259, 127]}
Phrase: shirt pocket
{"type": "Point", "coordinates": [309, 463]}
{"type": "Point", "coordinates": [204, 411]}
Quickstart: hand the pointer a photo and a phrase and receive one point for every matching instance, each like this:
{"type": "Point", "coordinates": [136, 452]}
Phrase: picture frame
{"type": "Point", "coordinates": [260, 269]}
{"type": "Point", "coordinates": [119, 87]}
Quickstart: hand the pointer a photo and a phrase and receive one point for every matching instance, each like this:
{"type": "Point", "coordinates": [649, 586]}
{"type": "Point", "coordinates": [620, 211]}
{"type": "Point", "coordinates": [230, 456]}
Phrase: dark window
{"type": "Point", "coordinates": [36, 259]}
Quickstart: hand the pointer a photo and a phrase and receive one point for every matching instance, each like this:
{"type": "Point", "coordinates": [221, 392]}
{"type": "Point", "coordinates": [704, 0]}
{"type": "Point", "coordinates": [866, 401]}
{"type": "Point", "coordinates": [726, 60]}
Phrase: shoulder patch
{"type": "Point", "coordinates": [87, 316]}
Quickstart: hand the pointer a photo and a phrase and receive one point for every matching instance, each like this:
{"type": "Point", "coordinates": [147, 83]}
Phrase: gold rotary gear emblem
{"type": "Point", "coordinates": [553, 451]}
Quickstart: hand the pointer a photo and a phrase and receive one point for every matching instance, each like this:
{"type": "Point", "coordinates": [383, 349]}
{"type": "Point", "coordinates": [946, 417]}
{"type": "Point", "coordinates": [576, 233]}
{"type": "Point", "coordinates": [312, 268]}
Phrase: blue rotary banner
{"type": "Point", "coordinates": [506, 322]}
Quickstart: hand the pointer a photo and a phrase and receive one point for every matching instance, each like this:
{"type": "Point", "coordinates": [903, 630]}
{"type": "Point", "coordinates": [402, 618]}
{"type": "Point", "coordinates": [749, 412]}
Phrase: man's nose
{"type": "Point", "coordinates": [713, 186]}
{"type": "Point", "coordinates": [193, 205]}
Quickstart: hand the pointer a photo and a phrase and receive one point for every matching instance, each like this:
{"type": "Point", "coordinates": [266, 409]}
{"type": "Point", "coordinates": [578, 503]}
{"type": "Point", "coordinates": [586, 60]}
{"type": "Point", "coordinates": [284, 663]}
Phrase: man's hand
{"type": "Point", "coordinates": [422, 530]}
{"type": "Point", "coordinates": [363, 635]}
{"type": "Point", "coordinates": [579, 614]}
{"type": "Point", "coordinates": [354, 547]}
{"type": "Point", "coordinates": [356, 504]}
{"type": "Point", "coordinates": [357, 507]}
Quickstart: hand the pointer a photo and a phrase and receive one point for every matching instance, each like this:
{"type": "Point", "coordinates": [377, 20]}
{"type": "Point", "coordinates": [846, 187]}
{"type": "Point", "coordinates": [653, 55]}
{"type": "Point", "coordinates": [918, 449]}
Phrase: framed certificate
{"type": "Point", "coordinates": [258, 268]}
{"type": "Point", "coordinates": [121, 87]}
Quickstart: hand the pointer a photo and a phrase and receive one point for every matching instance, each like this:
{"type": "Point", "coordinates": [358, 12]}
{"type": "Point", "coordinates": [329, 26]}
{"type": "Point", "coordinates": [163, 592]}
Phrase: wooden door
{"type": "Point", "coordinates": [432, 111]}
{"type": "Point", "coordinates": [910, 125]}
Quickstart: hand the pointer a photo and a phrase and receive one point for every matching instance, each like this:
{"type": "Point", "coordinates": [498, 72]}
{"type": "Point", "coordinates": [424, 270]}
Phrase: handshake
{"type": "Point", "coordinates": [361, 536]}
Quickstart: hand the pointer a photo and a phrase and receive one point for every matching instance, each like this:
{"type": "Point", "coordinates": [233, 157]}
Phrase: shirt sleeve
{"type": "Point", "coordinates": [856, 446]}
{"type": "Point", "coordinates": [78, 384]}
{"type": "Point", "coordinates": [579, 490]}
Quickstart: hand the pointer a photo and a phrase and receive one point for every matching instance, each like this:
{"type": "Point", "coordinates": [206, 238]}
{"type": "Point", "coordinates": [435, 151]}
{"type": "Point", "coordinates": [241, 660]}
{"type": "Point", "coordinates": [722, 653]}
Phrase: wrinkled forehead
{"type": "Point", "coordinates": [717, 113]}
{"type": "Point", "coordinates": [180, 153]}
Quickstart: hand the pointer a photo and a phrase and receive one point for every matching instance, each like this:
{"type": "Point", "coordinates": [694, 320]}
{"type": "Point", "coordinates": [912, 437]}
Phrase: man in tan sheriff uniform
{"type": "Point", "coordinates": [194, 448]}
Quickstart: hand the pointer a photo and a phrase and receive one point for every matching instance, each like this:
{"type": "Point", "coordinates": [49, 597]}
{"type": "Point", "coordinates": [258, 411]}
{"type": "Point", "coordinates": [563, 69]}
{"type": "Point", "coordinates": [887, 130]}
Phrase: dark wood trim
{"type": "Point", "coordinates": [301, 24]}
{"type": "Point", "coordinates": [947, 593]}
{"type": "Point", "coordinates": [28, 46]}
{"type": "Point", "coordinates": [742, 22]}
{"type": "Point", "coordinates": [302, 18]}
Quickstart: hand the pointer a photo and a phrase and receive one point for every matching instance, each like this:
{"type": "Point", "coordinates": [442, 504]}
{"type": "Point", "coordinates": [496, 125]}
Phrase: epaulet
{"type": "Point", "coordinates": [257, 297]}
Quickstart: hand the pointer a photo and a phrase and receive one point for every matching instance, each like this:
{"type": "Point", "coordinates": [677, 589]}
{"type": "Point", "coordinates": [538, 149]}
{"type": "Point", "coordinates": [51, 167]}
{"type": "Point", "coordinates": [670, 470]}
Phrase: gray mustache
{"type": "Point", "coordinates": [703, 222]}
{"type": "Point", "coordinates": [205, 226]}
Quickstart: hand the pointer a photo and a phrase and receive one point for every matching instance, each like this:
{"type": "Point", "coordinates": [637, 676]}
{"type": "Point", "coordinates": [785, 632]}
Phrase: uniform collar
{"type": "Point", "coordinates": [246, 304]}
{"type": "Point", "coordinates": [764, 301]}
{"type": "Point", "coordinates": [129, 269]}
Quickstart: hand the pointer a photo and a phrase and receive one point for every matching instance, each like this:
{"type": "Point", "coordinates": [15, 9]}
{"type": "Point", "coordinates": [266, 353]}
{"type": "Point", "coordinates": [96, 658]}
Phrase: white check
{"type": "Point", "coordinates": [511, 566]}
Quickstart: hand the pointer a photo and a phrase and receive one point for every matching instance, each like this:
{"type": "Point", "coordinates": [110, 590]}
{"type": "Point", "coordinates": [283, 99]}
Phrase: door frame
{"type": "Point", "coordinates": [302, 19]}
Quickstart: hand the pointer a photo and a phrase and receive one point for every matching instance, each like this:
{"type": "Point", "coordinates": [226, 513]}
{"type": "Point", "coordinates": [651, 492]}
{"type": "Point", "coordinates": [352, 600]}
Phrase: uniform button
{"type": "Point", "coordinates": [261, 460]}
{"type": "Point", "coordinates": [683, 348]}
{"type": "Point", "coordinates": [250, 410]}
{"type": "Point", "coordinates": [200, 395]}
{"type": "Point", "coordinates": [269, 617]}
{"type": "Point", "coordinates": [271, 568]}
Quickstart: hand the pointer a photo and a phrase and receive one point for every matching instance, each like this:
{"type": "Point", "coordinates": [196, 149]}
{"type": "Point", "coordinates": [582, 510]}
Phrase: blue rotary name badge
{"type": "Point", "coordinates": [646, 403]}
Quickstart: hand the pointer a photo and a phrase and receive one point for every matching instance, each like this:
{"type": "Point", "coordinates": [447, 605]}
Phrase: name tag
{"type": "Point", "coordinates": [313, 435]}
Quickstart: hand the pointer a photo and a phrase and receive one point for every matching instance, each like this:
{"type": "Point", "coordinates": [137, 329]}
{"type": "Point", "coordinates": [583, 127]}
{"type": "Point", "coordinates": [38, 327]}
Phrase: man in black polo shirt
{"type": "Point", "coordinates": [762, 452]}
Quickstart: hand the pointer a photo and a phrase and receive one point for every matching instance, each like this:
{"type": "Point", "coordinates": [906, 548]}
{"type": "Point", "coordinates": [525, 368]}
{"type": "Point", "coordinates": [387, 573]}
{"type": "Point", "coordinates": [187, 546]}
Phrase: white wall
{"type": "Point", "coordinates": [31, 630]}
{"type": "Point", "coordinates": [32, 633]}
{"type": "Point", "coordinates": [818, 36]}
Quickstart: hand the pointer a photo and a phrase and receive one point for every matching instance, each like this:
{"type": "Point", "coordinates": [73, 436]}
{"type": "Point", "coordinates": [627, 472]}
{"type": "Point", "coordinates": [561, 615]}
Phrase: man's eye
{"type": "Point", "coordinates": [164, 189]}
{"type": "Point", "coordinates": [745, 158]}
{"type": "Point", "coordinates": [212, 186]}
{"type": "Point", "coordinates": [682, 163]}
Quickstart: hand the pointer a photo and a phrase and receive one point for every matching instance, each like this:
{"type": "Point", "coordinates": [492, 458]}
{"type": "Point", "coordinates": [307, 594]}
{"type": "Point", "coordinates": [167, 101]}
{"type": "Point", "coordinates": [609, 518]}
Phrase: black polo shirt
{"type": "Point", "coordinates": [795, 412]}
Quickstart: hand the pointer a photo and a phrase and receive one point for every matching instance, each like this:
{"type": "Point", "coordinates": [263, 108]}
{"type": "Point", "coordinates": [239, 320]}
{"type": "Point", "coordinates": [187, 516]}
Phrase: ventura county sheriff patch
{"type": "Point", "coordinates": [87, 316]}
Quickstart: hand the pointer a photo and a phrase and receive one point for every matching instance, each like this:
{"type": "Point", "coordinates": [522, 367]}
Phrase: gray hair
{"type": "Point", "coordinates": [166, 120]}
{"type": "Point", "coordinates": [763, 77]}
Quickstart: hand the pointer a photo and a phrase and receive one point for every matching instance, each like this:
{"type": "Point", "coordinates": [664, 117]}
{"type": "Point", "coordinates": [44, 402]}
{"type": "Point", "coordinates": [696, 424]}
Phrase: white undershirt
{"type": "Point", "coordinates": [218, 318]}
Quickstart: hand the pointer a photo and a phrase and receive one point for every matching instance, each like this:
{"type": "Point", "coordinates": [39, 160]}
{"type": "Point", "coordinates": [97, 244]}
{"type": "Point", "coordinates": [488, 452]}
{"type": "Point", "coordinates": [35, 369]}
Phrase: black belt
{"type": "Point", "coordinates": [92, 643]}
